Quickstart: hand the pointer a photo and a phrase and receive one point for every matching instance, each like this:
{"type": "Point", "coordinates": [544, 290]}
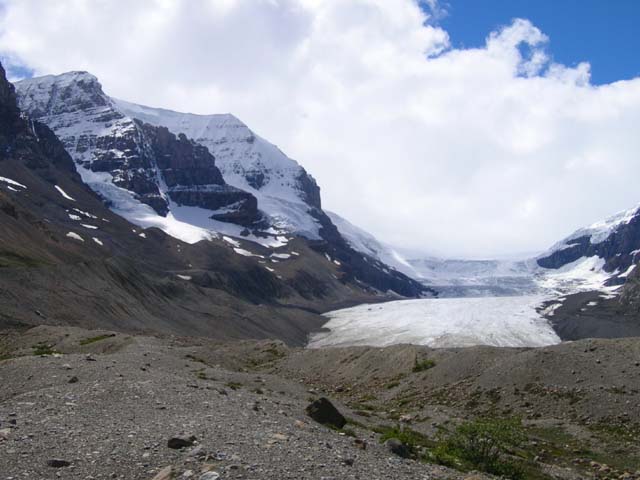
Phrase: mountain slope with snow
{"type": "Point", "coordinates": [615, 241]}
{"type": "Point", "coordinates": [597, 257]}
{"type": "Point", "coordinates": [285, 191]}
{"type": "Point", "coordinates": [366, 243]}
{"type": "Point", "coordinates": [148, 175]}
{"type": "Point", "coordinates": [194, 176]}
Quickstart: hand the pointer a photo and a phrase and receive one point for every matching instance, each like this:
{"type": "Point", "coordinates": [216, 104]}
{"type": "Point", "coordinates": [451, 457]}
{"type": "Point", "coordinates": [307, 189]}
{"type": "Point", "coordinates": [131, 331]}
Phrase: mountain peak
{"type": "Point", "coordinates": [65, 93]}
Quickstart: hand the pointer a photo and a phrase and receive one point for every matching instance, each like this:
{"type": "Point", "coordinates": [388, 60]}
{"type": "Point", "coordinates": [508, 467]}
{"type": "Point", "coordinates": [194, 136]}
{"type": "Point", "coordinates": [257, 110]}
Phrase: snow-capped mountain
{"type": "Point", "coordinates": [285, 191]}
{"type": "Point", "coordinates": [597, 257]}
{"type": "Point", "coordinates": [194, 176]}
{"type": "Point", "coordinates": [150, 176]}
{"type": "Point", "coordinates": [614, 244]}
{"type": "Point", "coordinates": [67, 259]}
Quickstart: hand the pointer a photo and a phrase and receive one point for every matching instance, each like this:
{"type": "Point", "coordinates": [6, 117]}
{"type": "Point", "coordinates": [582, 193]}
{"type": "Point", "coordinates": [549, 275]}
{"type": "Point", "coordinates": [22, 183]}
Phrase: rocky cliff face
{"type": "Point", "coordinates": [616, 241]}
{"type": "Point", "coordinates": [286, 193]}
{"type": "Point", "coordinates": [191, 177]}
{"type": "Point", "coordinates": [154, 164]}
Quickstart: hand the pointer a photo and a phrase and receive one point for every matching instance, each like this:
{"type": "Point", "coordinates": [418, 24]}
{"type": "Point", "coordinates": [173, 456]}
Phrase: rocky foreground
{"type": "Point", "coordinates": [82, 404]}
{"type": "Point", "coordinates": [139, 408]}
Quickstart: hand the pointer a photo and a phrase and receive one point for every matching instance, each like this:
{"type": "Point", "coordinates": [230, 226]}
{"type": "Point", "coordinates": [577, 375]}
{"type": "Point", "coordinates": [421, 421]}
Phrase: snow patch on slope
{"type": "Point", "coordinates": [11, 182]}
{"type": "Point", "coordinates": [64, 194]}
{"type": "Point", "coordinates": [583, 275]}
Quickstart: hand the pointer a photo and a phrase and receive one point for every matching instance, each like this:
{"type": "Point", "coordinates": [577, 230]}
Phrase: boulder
{"type": "Point", "coordinates": [323, 411]}
{"type": "Point", "coordinates": [398, 448]}
{"type": "Point", "coordinates": [178, 443]}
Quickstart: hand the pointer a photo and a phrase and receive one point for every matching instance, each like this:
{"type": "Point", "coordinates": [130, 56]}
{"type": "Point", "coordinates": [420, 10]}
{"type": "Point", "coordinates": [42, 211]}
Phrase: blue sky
{"type": "Point", "coordinates": [601, 32]}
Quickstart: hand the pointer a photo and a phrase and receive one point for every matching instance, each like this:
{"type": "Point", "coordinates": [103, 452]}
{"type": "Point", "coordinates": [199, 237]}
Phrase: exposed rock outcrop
{"type": "Point", "coordinates": [619, 248]}
{"type": "Point", "coordinates": [138, 157]}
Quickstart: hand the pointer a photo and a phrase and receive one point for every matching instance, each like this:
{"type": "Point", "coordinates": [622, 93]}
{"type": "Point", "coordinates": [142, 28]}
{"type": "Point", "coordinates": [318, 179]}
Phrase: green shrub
{"type": "Point", "coordinates": [42, 348]}
{"type": "Point", "coordinates": [422, 365]}
{"type": "Point", "coordinates": [482, 444]}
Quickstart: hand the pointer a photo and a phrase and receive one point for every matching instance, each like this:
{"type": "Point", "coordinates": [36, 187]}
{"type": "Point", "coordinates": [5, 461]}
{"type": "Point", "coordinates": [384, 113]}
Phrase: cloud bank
{"type": "Point", "coordinates": [472, 152]}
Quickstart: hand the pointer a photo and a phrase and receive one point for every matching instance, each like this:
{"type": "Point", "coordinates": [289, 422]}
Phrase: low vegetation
{"type": "Point", "coordinates": [40, 349]}
{"type": "Point", "coordinates": [483, 444]}
{"type": "Point", "coordinates": [423, 365]}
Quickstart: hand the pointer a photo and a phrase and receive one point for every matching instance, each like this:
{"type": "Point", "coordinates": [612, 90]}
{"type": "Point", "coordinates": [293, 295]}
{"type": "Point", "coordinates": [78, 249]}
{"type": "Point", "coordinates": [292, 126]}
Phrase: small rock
{"type": "Point", "coordinates": [323, 411]}
{"type": "Point", "coordinates": [398, 448]}
{"type": "Point", "coordinates": [279, 437]}
{"type": "Point", "coordinates": [180, 442]}
{"type": "Point", "coordinates": [210, 476]}
{"type": "Point", "coordinates": [406, 418]}
{"type": "Point", "coordinates": [73, 379]}
{"type": "Point", "coordinates": [197, 451]}
{"type": "Point", "coordinates": [58, 463]}
{"type": "Point", "coordinates": [165, 474]}
{"type": "Point", "coordinates": [361, 444]}
{"type": "Point", "coordinates": [348, 462]}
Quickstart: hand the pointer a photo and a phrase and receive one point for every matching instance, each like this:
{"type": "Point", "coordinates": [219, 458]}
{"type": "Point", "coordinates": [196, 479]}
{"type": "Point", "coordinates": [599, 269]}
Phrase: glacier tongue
{"type": "Point", "coordinates": [445, 322]}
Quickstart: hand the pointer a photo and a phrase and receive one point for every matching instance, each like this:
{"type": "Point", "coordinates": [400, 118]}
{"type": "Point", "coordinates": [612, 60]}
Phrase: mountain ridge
{"type": "Point", "coordinates": [269, 199]}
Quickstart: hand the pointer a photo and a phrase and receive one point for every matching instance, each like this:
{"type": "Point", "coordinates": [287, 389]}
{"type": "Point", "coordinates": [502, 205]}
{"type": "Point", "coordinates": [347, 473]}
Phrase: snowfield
{"type": "Point", "coordinates": [444, 322]}
{"type": "Point", "coordinates": [503, 321]}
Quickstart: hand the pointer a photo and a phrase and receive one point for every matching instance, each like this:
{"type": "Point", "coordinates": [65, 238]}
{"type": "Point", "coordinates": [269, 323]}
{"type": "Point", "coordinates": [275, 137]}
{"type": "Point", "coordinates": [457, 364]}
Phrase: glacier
{"type": "Point", "coordinates": [445, 322]}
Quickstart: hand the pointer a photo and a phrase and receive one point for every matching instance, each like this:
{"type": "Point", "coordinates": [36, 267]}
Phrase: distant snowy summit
{"type": "Point", "coordinates": [599, 257]}
{"type": "Point", "coordinates": [614, 242]}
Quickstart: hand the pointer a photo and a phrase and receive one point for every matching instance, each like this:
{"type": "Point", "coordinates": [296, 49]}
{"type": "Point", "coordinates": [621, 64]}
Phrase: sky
{"type": "Point", "coordinates": [571, 25]}
{"type": "Point", "coordinates": [440, 127]}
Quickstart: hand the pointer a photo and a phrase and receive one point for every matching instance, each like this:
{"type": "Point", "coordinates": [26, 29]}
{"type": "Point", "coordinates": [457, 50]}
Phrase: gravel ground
{"type": "Point", "coordinates": [110, 413]}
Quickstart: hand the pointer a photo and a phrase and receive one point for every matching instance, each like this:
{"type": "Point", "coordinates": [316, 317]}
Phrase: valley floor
{"type": "Point", "coordinates": [107, 403]}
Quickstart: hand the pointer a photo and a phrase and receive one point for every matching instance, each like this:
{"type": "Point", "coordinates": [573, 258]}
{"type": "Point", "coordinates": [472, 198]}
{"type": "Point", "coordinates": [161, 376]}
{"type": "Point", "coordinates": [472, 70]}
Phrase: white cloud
{"type": "Point", "coordinates": [465, 152]}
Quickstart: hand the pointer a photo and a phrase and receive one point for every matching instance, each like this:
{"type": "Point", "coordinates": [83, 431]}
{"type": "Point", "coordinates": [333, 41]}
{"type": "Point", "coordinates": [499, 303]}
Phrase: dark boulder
{"type": "Point", "coordinates": [323, 411]}
{"type": "Point", "coordinates": [178, 443]}
{"type": "Point", "coordinates": [398, 448]}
